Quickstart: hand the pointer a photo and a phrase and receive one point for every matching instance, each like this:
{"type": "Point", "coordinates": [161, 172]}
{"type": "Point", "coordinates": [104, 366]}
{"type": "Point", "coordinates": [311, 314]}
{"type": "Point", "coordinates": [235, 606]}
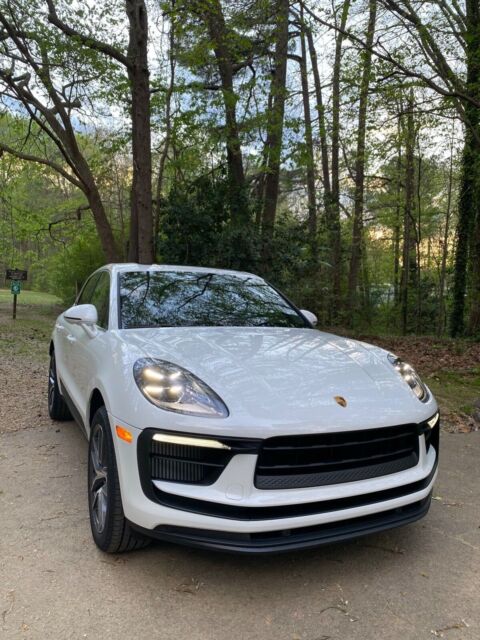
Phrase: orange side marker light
{"type": "Point", "coordinates": [124, 434]}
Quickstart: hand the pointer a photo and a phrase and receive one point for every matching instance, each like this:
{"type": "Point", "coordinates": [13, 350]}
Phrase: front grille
{"type": "Point", "coordinates": [292, 462]}
{"type": "Point", "coordinates": [238, 512]}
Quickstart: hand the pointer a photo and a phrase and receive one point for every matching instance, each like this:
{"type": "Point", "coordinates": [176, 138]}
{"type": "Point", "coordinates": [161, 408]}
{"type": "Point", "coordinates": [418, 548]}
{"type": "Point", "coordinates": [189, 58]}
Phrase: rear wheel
{"type": "Point", "coordinates": [57, 407]}
{"type": "Point", "coordinates": [110, 529]}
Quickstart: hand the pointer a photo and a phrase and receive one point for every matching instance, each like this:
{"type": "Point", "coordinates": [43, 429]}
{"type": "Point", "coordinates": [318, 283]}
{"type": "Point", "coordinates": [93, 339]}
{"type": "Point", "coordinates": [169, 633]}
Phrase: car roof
{"type": "Point", "coordinates": [122, 267]}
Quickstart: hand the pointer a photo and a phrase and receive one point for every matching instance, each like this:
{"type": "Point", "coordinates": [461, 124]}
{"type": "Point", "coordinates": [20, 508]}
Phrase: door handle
{"type": "Point", "coordinates": [71, 338]}
{"type": "Point", "coordinates": [60, 327]}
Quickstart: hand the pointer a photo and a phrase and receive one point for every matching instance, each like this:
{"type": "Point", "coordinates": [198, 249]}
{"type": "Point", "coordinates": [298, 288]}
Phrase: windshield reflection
{"type": "Point", "coordinates": [188, 299]}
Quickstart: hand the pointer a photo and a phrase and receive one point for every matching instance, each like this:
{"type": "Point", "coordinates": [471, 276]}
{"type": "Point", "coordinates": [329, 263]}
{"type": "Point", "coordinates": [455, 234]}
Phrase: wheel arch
{"type": "Point", "coordinates": [96, 402]}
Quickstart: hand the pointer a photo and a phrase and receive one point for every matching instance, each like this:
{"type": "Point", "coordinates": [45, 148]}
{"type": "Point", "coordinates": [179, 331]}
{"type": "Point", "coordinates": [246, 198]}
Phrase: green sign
{"type": "Point", "coordinates": [15, 287]}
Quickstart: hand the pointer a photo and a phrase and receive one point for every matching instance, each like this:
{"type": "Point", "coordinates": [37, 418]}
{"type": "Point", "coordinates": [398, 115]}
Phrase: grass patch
{"type": "Point", "coordinates": [29, 297]}
{"type": "Point", "coordinates": [456, 391]}
{"type": "Point", "coordinates": [28, 335]}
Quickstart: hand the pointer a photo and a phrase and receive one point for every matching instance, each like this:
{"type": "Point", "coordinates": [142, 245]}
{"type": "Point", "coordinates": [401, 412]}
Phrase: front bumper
{"type": "Point", "coordinates": [290, 539]}
{"type": "Point", "coordinates": [233, 515]}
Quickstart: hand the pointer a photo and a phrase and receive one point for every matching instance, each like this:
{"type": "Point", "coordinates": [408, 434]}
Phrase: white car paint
{"type": "Point", "coordinates": [274, 381]}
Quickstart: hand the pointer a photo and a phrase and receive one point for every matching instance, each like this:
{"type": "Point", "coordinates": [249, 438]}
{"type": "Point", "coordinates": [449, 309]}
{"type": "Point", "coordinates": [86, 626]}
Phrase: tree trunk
{"type": "Point", "coordinates": [333, 215]}
{"type": "Point", "coordinates": [467, 212]}
{"type": "Point", "coordinates": [357, 233]}
{"type": "Point", "coordinates": [418, 241]}
{"type": "Point", "coordinates": [141, 233]}
{"type": "Point", "coordinates": [275, 130]}
{"type": "Point", "coordinates": [168, 132]}
{"type": "Point", "coordinates": [396, 228]}
{"type": "Point", "coordinates": [92, 193]}
{"type": "Point", "coordinates": [219, 34]}
{"type": "Point", "coordinates": [474, 319]}
{"type": "Point", "coordinates": [469, 201]}
{"type": "Point", "coordinates": [260, 181]}
{"type": "Point", "coordinates": [366, 283]}
{"type": "Point", "coordinates": [322, 129]}
{"type": "Point", "coordinates": [443, 269]}
{"type": "Point", "coordinates": [473, 17]}
{"type": "Point", "coordinates": [102, 224]}
{"type": "Point", "coordinates": [312, 202]}
{"type": "Point", "coordinates": [409, 253]}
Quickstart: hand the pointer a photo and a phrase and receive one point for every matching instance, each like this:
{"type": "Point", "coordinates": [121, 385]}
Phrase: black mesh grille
{"type": "Point", "coordinates": [288, 462]}
{"type": "Point", "coordinates": [180, 463]}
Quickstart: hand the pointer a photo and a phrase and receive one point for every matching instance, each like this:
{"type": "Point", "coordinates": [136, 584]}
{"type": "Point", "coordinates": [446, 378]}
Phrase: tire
{"type": "Point", "coordinates": [110, 529]}
{"type": "Point", "coordinates": [57, 407]}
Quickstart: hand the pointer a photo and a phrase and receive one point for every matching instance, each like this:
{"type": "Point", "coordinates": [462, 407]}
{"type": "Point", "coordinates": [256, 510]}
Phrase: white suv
{"type": "Point", "coordinates": [218, 416]}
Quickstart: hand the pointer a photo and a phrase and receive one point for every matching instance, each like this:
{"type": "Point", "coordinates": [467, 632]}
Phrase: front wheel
{"type": "Point", "coordinates": [110, 529]}
{"type": "Point", "coordinates": [57, 407]}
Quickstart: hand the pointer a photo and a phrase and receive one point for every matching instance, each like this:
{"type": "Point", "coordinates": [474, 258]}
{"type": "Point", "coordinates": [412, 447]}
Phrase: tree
{"type": "Point", "coordinates": [333, 212]}
{"type": "Point", "coordinates": [409, 260]}
{"type": "Point", "coordinates": [275, 123]}
{"type": "Point", "coordinates": [223, 41]}
{"type": "Point", "coordinates": [357, 233]}
{"type": "Point", "coordinates": [135, 61]}
{"type": "Point", "coordinates": [50, 107]}
{"type": "Point", "coordinates": [448, 81]}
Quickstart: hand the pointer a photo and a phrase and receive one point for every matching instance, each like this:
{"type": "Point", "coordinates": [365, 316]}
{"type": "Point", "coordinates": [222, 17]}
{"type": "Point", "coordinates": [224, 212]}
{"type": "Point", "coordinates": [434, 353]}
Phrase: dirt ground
{"type": "Point", "coordinates": [414, 583]}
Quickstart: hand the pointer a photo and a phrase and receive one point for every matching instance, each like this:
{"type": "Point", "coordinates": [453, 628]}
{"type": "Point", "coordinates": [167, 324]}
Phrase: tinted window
{"type": "Point", "coordinates": [85, 296]}
{"type": "Point", "coordinates": [188, 299]}
{"type": "Point", "coordinates": [101, 299]}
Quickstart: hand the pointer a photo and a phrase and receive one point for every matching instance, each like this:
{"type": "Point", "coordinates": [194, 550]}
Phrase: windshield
{"type": "Point", "coordinates": [192, 299]}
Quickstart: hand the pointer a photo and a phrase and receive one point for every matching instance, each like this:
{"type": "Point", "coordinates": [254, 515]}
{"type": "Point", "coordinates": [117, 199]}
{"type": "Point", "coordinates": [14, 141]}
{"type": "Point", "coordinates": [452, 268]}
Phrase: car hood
{"type": "Point", "coordinates": [280, 378]}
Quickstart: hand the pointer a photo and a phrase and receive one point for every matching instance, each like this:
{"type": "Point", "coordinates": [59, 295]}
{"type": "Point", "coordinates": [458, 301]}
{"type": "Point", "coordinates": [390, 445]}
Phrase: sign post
{"type": "Point", "coordinates": [15, 288]}
{"type": "Point", "coordinates": [16, 276]}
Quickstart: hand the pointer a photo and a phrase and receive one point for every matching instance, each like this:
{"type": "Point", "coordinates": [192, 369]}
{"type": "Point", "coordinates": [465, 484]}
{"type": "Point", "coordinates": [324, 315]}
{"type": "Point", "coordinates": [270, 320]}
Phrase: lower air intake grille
{"type": "Point", "coordinates": [292, 462]}
{"type": "Point", "coordinates": [180, 463]}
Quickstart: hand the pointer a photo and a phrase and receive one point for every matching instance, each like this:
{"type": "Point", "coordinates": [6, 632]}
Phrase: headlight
{"type": "Point", "coordinates": [410, 376]}
{"type": "Point", "coordinates": [173, 388]}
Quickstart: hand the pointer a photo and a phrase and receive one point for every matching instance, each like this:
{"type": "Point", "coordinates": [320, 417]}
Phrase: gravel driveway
{"type": "Point", "coordinates": [419, 582]}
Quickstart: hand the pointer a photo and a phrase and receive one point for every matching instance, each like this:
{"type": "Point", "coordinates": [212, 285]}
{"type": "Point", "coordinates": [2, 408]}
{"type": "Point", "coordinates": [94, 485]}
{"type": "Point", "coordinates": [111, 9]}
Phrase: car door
{"type": "Point", "coordinates": [64, 338]}
{"type": "Point", "coordinates": [88, 353]}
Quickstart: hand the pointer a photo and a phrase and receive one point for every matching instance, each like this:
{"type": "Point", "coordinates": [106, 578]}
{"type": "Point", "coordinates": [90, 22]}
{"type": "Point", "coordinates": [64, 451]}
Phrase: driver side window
{"type": "Point", "coordinates": [101, 299]}
{"type": "Point", "coordinates": [85, 296]}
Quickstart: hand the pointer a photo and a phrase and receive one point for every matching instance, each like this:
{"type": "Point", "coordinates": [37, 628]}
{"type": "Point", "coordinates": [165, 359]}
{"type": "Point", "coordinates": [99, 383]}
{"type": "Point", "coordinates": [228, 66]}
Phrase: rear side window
{"type": "Point", "coordinates": [101, 299]}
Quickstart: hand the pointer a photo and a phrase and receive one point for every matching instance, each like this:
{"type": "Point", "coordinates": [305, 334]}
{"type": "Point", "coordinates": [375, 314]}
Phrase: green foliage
{"type": "Point", "coordinates": [192, 220]}
{"type": "Point", "coordinates": [43, 224]}
{"type": "Point", "coordinates": [65, 271]}
{"type": "Point", "coordinates": [196, 228]}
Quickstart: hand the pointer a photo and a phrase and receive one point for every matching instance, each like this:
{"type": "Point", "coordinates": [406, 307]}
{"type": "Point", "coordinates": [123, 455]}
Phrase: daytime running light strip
{"type": "Point", "coordinates": [190, 442]}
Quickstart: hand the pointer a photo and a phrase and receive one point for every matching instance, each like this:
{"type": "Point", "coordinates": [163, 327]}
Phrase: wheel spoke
{"type": "Point", "coordinates": [100, 446]}
{"type": "Point", "coordinates": [98, 478]}
{"type": "Point", "coordinates": [102, 506]}
{"type": "Point", "coordinates": [51, 383]}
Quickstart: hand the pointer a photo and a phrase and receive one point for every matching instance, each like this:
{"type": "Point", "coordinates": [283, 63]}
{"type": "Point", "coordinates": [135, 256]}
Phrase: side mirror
{"type": "Point", "coordinates": [311, 317]}
{"type": "Point", "coordinates": [85, 315]}
{"type": "Point", "coordinates": [81, 314]}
